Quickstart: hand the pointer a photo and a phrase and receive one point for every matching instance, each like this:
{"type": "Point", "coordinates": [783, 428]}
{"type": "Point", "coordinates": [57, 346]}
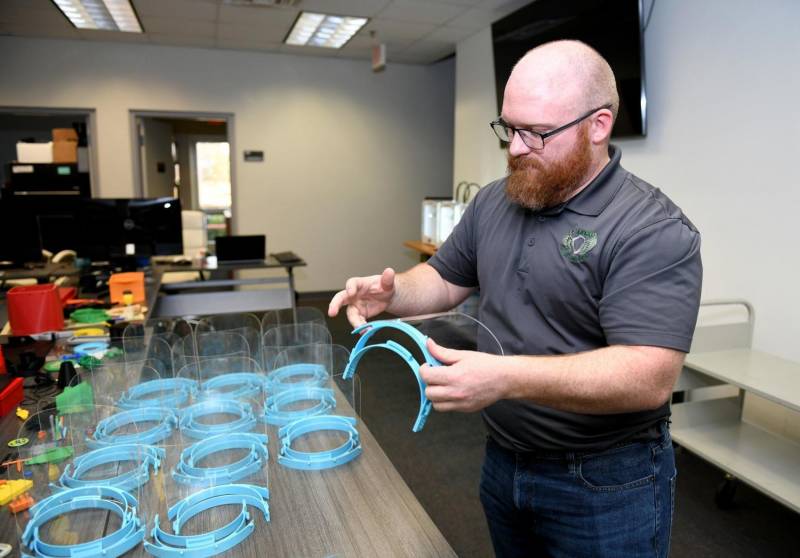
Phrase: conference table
{"type": "Point", "coordinates": [361, 508]}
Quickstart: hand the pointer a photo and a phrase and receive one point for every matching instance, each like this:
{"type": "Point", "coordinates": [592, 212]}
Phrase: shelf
{"type": "Point", "coordinates": [713, 430]}
{"type": "Point", "coordinates": [760, 373]}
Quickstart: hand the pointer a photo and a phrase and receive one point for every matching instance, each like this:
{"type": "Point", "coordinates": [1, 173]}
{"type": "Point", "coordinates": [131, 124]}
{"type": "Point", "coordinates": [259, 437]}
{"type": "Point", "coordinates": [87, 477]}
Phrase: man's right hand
{"type": "Point", "coordinates": [364, 297]}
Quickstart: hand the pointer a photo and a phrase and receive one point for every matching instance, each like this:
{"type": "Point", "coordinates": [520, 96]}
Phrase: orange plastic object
{"type": "Point", "coordinates": [21, 503]}
{"type": "Point", "coordinates": [14, 488]}
{"type": "Point", "coordinates": [34, 309]}
{"type": "Point", "coordinates": [132, 281]}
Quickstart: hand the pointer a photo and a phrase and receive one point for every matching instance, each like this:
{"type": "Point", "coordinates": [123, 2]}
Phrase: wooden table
{"type": "Point", "coordinates": [362, 508]}
{"type": "Point", "coordinates": [426, 250]}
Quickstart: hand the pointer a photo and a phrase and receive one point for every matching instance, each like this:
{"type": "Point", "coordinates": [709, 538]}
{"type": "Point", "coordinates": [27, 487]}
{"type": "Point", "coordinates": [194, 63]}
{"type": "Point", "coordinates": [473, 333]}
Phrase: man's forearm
{"type": "Point", "coordinates": [614, 379]}
{"type": "Point", "coordinates": [421, 290]}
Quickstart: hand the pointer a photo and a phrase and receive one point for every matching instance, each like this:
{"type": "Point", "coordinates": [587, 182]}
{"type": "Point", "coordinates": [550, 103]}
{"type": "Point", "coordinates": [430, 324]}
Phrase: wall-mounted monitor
{"type": "Point", "coordinates": [612, 27]}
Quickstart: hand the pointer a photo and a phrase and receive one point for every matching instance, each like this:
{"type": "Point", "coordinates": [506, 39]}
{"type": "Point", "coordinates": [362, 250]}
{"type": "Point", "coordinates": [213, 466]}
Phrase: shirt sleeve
{"type": "Point", "coordinates": [455, 260]}
{"type": "Point", "coordinates": [651, 294]}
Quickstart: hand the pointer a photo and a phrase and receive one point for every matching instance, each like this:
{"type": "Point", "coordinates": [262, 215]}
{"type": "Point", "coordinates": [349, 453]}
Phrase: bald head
{"type": "Point", "coordinates": [569, 74]}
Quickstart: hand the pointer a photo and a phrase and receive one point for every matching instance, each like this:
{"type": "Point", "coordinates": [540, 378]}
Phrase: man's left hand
{"type": "Point", "coordinates": [467, 381]}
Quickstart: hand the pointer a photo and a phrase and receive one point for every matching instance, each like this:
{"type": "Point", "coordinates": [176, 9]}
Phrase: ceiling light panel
{"type": "Point", "coordinates": [322, 30]}
{"type": "Point", "coordinates": [108, 15]}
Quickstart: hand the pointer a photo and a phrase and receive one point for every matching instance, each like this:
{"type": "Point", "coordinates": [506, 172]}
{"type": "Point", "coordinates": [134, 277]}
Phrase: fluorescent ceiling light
{"type": "Point", "coordinates": [109, 15]}
{"type": "Point", "coordinates": [322, 30]}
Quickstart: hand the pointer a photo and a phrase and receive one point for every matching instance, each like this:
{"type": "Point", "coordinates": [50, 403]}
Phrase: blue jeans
{"type": "Point", "coordinates": [617, 502]}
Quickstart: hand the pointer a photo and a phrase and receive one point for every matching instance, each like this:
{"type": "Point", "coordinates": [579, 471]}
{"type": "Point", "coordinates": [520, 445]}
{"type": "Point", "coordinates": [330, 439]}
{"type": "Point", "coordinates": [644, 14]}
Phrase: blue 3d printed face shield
{"type": "Point", "coordinates": [368, 330]}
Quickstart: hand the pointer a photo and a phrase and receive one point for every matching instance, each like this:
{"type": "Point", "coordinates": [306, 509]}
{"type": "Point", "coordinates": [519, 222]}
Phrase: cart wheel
{"type": "Point", "coordinates": [726, 492]}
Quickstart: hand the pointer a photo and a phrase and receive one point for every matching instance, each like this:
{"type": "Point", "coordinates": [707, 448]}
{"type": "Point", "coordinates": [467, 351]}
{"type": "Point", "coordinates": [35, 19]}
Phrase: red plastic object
{"type": "Point", "coordinates": [11, 396]}
{"type": "Point", "coordinates": [2, 362]}
{"type": "Point", "coordinates": [34, 309]}
{"type": "Point", "coordinates": [66, 293]}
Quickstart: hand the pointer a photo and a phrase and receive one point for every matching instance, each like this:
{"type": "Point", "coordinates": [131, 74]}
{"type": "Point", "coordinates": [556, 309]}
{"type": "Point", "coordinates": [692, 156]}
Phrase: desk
{"type": "Point", "coordinates": [359, 509]}
{"type": "Point", "coordinates": [223, 301]}
{"type": "Point", "coordinates": [426, 250]}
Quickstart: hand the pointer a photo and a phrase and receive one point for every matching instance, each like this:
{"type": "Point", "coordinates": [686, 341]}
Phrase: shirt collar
{"type": "Point", "coordinates": [593, 199]}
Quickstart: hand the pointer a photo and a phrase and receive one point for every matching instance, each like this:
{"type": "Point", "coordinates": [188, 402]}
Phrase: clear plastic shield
{"type": "Point", "coordinates": [245, 324]}
{"type": "Point", "coordinates": [286, 316]}
{"type": "Point", "coordinates": [280, 338]}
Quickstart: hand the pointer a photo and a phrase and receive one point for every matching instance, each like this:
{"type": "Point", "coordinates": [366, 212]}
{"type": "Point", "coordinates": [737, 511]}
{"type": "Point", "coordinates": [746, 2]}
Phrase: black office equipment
{"type": "Point", "coordinates": [287, 257]}
{"type": "Point", "coordinates": [612, 27]}
{"type": "Point", "coordinates": [117, 228]}
{"type": "Point", "coordinates": [19, 236]}
{"type": "Point", "coordinates": [241, 248]}
{"type": "Point", "coordinates": [98, 229]}
{"type": "Point", "coordinates": [47, 179]}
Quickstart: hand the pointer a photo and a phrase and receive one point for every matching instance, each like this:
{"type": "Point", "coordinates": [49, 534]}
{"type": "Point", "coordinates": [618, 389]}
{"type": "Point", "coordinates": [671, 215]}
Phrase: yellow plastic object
{"type": "Point", "coordinates": [89, 332]}
{"type": "Point", "coordinates": [53, 472]}
{"type": "Point", "coordinates": [127, 298]}
{"type": "Point", "coordinates": [13, 488]}
{"type": "Point", "coordinates": [23, 413]}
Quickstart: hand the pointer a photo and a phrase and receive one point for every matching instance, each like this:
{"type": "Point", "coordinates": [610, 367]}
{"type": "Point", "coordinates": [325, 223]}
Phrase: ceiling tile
{"type": "Point", "coordinates": [475, 19]}
{"type": "Point", "coordinates": [390, 30]}
{"type": "Point", "coordinates": [98, 35]}
{"type": "Point", "coordinates": [46, 15]}
{"type": "Point", "coordinates": [182, 40]}
{"type": "Point", "coordinates": [421, 11]}
{"type": "Point", "coordinates": [241, 44]}
{"type": "Point", "coordinates": [312, 51]}
{"type": "Point", "coordinates": [449, 34]}
{"type": "Point", "coordinates": [249, 15]}
{"type": "Point", "coordinates": [252, 33]}
{"type": "Point", "coordinates": [203, 10]}
{"type": "Point", "coordinates": [50, 32]}
{"type": "Point", "coordinates": [179, 26]}
{"type": "Point", "coordinates": [366, 8]}
{"type": "Point", "coordinates": [459, 2]}
{"type": "Point", "coordinates": [359, 45]}
{"type": "Point", "coordinates": [429, 51]}
{"type": "Point", "coordinates": [506, 6]}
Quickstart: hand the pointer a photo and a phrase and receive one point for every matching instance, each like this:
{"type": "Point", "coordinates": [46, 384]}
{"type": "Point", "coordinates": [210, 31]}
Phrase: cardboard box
{"type": "Point", "coordinates": [64, 134]}
{"type": "Point", "coordinates": [34, 152]}
{"type": "Point", "coordinates": [65, 151]}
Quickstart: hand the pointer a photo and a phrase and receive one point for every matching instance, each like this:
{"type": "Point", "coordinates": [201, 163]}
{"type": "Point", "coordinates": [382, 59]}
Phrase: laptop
{"type": "Point", "coordinates": [241, 248]}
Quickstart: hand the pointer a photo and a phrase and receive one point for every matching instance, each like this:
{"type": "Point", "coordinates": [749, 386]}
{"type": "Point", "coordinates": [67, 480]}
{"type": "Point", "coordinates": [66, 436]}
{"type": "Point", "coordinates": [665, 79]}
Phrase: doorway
{"type": "Point", "coordinates": [187, 156]}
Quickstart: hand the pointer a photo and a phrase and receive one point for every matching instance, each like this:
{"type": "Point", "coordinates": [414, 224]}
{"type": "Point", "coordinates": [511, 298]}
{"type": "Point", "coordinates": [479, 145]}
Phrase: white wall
{"type": "Point", "coordinates": [349, 154]}
{"type": "Point", "coordinates": [477, 156]}
{"type": "Point", "coordinates": [723, 82]}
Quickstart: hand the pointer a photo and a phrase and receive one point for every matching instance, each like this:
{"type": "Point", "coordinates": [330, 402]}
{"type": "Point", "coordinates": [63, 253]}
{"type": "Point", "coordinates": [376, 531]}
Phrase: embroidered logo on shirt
{"type": "Point", "coordinates": [576, 245]}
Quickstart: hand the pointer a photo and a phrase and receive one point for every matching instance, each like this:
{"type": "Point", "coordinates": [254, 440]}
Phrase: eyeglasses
{"type": "Point", "coordinates": [534, 140]}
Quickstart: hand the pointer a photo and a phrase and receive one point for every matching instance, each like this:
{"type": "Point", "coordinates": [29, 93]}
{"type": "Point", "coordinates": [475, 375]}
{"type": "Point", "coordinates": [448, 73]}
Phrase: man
{"type": "Point", "coordinates": [590, 278]}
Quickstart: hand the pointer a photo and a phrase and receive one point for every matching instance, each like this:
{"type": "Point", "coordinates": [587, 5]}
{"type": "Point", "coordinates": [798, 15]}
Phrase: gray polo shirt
{"type": "Point", "coordinates": [618, 264]}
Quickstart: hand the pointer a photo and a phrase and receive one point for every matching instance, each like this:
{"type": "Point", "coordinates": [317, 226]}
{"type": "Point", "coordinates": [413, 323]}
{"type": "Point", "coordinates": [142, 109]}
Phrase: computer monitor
{"type": "Point", "coordinates": [98, 229]}
{"type": "Point", "coordinates": [132, 227]}
{"type": "Point", "coordinates": [19, 236]}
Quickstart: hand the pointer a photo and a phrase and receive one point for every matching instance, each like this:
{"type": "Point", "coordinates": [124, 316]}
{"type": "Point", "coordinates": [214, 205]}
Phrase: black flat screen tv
{"type": "Point", "coordinates": [612, 27]}
{"type": "Point", "coordinates": [96, 228]}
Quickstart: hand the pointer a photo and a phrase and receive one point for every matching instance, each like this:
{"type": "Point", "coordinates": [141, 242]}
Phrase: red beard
{"type": "Point", "coordinates": [537, 185]}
